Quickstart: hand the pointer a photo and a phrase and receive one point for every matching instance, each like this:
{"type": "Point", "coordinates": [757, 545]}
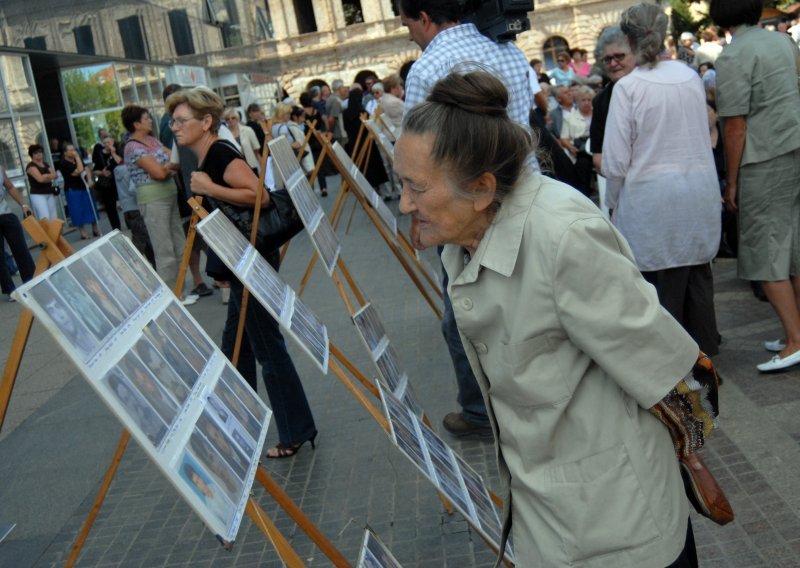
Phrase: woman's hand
{"type": "Point", "coordinates": [730, 198]}
{"type": "Point", "coordinates": [201, 183]}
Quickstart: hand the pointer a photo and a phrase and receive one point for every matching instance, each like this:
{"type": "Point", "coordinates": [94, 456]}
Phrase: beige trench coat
{"type": "Point", "coordinates": [571, 347]}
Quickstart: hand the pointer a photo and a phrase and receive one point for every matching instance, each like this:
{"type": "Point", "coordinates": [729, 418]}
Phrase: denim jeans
{"type": "Point", "coordinates": [11, 231]}
{"type": "Point", "coordinates": [469, 393]}
{"type": "Point", "coordinates": [290, 409]}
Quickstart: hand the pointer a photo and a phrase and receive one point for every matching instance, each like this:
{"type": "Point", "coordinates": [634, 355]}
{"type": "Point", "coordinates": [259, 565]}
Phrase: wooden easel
{"type": "Point", "coordinates": [253, 509]}
{"type": "Point", "coordinates": [399, 246]}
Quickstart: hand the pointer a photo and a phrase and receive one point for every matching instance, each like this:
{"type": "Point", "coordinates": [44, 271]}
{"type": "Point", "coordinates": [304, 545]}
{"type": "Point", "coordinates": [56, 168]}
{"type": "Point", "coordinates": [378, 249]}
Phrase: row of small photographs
{"type": "Point", "coordinates": [370, 328]}
{"type": "Point", "coordinates": [231, 243]}
{"type": "Point", "coordinates": [90, 297]}
{"type": "Point", "coordinates": [327, 244]}
{"type": "Point", "coordinates": [311, 333]}
{"type": "Point", "coordinates": [306, 204]}
{"type": "Point", "coordinates": [284, 157]}
{"type": "Point", "coordinates": [365, 188]}
{"type": "Point", "coordinates": [265, 282]}
{"type": "Point", "coordinates": [452, 476]}
{"type": "Point", "coordinates": [374, 553]}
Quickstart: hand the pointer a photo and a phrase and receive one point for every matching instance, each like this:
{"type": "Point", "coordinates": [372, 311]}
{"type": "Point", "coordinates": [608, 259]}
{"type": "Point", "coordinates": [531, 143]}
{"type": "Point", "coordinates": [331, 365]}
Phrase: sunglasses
{"type": "Point", "coordinates": [617, 57]}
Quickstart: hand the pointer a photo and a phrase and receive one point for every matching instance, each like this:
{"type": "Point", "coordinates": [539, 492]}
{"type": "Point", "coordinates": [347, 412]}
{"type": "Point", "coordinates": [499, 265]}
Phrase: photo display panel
{"type": "Point", "coordinates": [382, 352]}
{"type": "Point", "coordinates": [392, 131]}
{"type": "Point", "coordinates": [269, 289]}
{"type": "Point", "coordinates": [360, 184]}
{"type": "Point", "coordinates": [382, 137]}
{"type": "Point", "coordinates": [374, 553]}
{"type": "Point", "coordinates": [453, 478]}
{"type": "Point", "coordinates": [316, 222]}
{"type": "Point", "coordinates": [158, 372]}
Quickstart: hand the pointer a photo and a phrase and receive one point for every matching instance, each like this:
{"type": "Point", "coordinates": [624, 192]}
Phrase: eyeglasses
{"type": "Point", "coordinates": [617, 57]}
{"type": "Point", "coordinates": [180, 122]}
{"type": "Point", "coordinates": [563, 60]}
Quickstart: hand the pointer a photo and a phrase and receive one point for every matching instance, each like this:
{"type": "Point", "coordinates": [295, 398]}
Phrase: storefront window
{"type": "Point", "coordinates": [126, 84]}
{"type": "Point", "coordinates": [9, 157]}
{"type": "Point", "coordinates": [141, 85]}
{"type": "Point", "coordinates": [90, 88]}
{"type": "Point", "coordinates": [29, 131]}
{"type": "Point", "coordinates": [18, 83]}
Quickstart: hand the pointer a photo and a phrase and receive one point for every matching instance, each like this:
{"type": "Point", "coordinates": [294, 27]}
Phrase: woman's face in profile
{"type": "Point", "coordinates": [441, 217]}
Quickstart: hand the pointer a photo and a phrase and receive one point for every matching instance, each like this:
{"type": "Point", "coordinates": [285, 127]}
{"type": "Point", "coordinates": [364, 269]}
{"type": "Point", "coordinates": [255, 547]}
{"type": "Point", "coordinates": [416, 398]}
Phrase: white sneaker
{"type": "Point", "coordinates": [775, 346]}
{"type": "Point", "coordinates": [190, 299]}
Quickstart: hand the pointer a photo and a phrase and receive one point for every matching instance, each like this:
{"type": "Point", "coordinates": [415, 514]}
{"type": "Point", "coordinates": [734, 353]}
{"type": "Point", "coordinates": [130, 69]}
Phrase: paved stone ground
{"type": "Point", "coordinates": [58, 440]}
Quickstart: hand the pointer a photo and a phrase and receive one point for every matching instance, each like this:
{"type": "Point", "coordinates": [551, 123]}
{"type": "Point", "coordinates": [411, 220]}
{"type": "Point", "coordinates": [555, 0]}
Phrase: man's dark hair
{"type": "Point", "coordinates": [169, 89]}
{"type": "Point", "coordinates": [306, 100]}
{"type": "Point", "coordinates": [732, 13]}
{"type": "Point", "coordinates": [440, 11]}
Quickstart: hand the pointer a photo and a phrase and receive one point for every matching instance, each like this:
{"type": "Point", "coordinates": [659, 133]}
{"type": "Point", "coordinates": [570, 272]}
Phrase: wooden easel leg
{"type": "Point", "coordinates": [300, 518]}
{"type": "Point", "coordinates": [351, 283]}
{"type": "Point", "coordinates": [410, 252]}
{"type": "Point", "coordinates": [350, 220]}
{"type": "Point", "coordinates": [98, 501]}
{"type": "Point", "coordinates": [307, 274]}
{"type": "Point", "coordinates": [187, 251]}
{"type": "Point", "coordinates": [360, 396]}
{"type": "Point", "coordinates": [266, 526]}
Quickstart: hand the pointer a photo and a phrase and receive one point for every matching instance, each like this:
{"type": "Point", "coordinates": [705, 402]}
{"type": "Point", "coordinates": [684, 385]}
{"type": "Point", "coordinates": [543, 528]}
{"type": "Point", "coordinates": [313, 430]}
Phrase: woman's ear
{"type": "Point", "coordinates": [484, 187]}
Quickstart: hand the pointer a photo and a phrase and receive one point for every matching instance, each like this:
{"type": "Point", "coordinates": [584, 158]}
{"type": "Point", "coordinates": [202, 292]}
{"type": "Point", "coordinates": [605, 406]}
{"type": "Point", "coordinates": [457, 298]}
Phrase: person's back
{"type": "Point", "coordinates": [658, 144]}
{"type": "Point", "coordinates": [766, 62]}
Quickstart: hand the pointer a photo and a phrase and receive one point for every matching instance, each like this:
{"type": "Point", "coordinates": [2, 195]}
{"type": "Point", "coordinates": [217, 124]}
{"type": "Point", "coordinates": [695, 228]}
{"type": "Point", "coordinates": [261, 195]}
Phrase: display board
{"type": "Point", "coordinates": [266, 285]}
{"type": "Point", "coordinates": [451, 475]}
{"type": "Point", "coordinates": [364, 188]}
{"type": "Point", "coordinates": [158, 372]}
{"type": "Point", "coordinates": [314, 219]}
{"type": "Point", "coordinates": [382, 137]}
{"type": "Point", "coordinates": [374, 553]}
{"type": "Point", "coordinates": [383, 355]}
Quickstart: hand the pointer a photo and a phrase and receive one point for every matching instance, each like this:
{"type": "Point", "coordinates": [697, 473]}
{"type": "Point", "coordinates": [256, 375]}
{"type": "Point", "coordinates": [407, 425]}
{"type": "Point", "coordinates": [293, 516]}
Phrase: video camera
{"type": "Point", "coordinates": [499, 20]}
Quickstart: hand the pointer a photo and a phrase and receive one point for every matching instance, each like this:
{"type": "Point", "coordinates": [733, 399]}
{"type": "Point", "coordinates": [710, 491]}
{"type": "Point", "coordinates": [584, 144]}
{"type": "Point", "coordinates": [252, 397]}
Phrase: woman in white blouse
{"type": "Point", "coordinates": [662, 183]}
{"type": "Point", "coordinates": [245, 136]}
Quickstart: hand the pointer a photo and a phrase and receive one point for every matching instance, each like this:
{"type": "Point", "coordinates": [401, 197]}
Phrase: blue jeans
{"type": "Point", "coordinates": [265, 344]}
{"type": "Point", "coordinates": [11, 231]}
{"type": "Point", "coordinates": [469, 393]}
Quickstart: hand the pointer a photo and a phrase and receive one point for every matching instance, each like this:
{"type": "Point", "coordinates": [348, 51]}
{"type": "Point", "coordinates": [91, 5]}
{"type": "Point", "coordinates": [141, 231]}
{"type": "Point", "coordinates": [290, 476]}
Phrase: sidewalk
{"type": "Point", "coordinates": [59, 439]}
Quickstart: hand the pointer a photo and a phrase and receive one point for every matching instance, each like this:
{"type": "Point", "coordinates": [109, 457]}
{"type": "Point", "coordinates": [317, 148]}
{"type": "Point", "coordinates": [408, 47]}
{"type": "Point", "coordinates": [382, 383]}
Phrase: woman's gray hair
{"type": "Point", "coordinates": [646, 28]}
{"type": "Point", "coordinates": [612, 35]}
{"type": "Point", "coordinates": [472, 133]}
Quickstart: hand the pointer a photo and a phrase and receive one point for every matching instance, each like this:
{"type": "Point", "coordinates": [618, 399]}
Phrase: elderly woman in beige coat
{"type": "Point", "coordinates": [575, 357]}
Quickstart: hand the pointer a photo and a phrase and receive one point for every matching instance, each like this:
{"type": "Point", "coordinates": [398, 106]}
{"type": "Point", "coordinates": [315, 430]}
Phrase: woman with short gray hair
{"type": "Point", "coordinates": [662, 182]}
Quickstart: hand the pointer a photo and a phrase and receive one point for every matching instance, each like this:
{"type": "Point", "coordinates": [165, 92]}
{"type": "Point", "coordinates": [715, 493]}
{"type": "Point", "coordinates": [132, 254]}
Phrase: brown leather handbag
{"type": "Point", "coordinates": [703, 491]}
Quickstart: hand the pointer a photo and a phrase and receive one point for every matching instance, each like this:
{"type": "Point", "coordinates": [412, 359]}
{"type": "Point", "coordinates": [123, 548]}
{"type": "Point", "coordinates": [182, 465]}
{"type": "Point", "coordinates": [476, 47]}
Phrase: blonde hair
{"type": "Point", "coordinates": [282, 112]}
{"type": "Point", "coordinates": [202, 101]}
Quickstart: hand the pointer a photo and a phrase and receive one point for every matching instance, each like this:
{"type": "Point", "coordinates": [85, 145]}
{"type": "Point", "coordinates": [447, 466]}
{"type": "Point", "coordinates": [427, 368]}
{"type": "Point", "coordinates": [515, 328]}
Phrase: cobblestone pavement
{"type": "Point", "coordinates": [58, 440]}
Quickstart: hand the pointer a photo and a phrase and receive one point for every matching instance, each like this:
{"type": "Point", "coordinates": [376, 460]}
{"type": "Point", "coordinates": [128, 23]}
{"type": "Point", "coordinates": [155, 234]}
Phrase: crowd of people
{"type": "Point", "coordinates": [576, 337]}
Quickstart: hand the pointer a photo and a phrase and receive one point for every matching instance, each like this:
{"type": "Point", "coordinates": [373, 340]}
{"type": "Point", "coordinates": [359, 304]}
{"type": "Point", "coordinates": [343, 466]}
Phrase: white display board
{"type": "Point", "coordinates": [451, 475]}
{"type": "Point", "coordinates": [360, 184]}
{"type": "Point", "coordinates": [267, 287]}
{"type": "Point", "coordinates": [374, 553]}
{"type": "Point", "coordinates": [159, 373]}
{"type": "Point", "coordinates": [370, 328]}
{"type": "Point", "coordinates": [314, 219]}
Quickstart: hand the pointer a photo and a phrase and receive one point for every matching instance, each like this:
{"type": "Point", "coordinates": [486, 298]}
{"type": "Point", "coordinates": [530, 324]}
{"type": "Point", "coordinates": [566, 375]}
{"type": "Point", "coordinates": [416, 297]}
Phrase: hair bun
{"type": "Point", "coordinates": [476, 92]}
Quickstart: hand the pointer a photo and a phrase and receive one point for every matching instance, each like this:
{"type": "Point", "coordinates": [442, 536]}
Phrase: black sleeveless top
{"type": "Point", "coordinates": [39, 188]}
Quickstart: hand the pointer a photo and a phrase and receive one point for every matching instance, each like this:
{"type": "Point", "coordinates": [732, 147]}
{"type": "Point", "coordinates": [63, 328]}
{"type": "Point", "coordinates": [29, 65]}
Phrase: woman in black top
{"type": "Point", "coordinates": [224, 175]}
{"type": "Point", "coordinates": [105, 157]}
{"type": "Point", "coordinates": [41, 177]}
{"type": "Point", "coordinates": [79, 199]}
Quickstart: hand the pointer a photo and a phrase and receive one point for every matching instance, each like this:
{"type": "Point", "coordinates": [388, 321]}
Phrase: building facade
{"type": "Point", "coordinates": [67, 67]}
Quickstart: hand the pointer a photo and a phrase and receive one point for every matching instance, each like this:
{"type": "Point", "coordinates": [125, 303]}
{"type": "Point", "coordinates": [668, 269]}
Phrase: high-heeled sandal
{"type": "Point", "coordinates": [284, 451]}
